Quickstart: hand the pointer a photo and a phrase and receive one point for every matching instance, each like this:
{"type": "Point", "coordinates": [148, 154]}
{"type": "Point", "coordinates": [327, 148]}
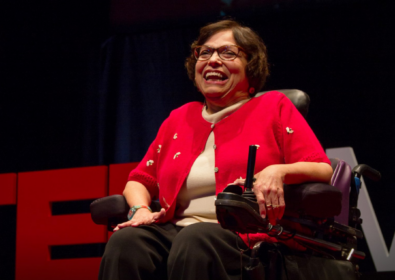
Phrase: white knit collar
{"type": "Point", "coordinates": [218, 116]}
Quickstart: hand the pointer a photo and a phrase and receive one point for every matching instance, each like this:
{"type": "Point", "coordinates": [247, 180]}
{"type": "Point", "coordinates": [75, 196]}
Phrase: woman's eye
{"type": "Point", "coordinates": [228, 54]}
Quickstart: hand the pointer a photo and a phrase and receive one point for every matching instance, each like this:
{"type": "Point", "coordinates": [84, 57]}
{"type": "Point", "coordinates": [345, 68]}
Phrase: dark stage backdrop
{"type": "Point", "coordinates": [81, 86]}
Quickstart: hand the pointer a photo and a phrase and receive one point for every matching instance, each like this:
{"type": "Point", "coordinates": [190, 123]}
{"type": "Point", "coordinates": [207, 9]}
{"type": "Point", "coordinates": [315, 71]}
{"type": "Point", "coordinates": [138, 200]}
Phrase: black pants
{"type": "Point", "coordinates": [199, 251]}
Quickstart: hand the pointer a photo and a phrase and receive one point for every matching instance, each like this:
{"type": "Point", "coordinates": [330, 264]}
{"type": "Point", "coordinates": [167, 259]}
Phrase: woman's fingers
{"type": "Point", "coordinates": [142, 218]}
{"type": "Point", "coordinates": [268, 201]}
{"type": "Point", "coordinates": [271, 207]}
{"type": "Point", "coordinates": [274, 198]}
{"type": "Point", "coordinates": [119, 226]}
{"type": "Point", "coordinates": [261, 202]}
{"type": "Point", "coordinates": [239, 182]}
{"type": "Point", "coordinates": [159, 215]}
{"type": "Point", "coordinates": [127, 224]}
{"type": "Point", "coordinates": [281, 204]}
{"type": "Point", "coordinates": [271, 203]}
{"type": "Point", "coordinates": [269, 183]}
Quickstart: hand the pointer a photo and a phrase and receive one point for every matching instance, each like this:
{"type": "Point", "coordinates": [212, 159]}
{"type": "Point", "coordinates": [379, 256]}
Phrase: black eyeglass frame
{"type": "Point", "coordinates": [195, 53]}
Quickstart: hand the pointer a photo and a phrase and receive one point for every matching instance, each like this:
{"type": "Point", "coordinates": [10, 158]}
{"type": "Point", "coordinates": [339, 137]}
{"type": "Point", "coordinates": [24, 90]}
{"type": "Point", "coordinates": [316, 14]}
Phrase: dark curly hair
{"type": "Point", "coordinates": [257, 68]}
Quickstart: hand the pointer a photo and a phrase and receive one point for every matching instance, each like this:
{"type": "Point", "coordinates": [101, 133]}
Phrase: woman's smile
{"type": "Point", "coordinates": [215, 77]}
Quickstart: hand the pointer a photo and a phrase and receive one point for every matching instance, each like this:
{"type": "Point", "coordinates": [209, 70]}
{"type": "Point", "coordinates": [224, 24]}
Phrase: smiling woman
{"type": "Point", "coordinates": [250, 46]}
{"type": "Point", "coordinates": [198, 151]}
{"type": "Point", "coordinates": [222, 82]}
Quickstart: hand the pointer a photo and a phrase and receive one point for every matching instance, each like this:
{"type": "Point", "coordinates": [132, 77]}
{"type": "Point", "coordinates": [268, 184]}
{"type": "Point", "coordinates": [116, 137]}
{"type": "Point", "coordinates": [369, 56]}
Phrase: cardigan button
{"type": "Point", "coordinates": [214, 147]}
{"type": "Point", "coordinates": [212, 126]}
{"type": "Point", "coordinates": [216, 169]}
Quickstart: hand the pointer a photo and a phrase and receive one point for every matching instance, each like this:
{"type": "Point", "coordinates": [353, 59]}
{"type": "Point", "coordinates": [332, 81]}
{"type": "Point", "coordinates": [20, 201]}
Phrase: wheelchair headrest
{"type": "Point", "coordinates": [299, 98]}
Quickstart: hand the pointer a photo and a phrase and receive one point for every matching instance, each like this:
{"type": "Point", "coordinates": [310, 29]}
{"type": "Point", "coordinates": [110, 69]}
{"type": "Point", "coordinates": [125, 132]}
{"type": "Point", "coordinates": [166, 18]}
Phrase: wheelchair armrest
{"type": "Point", "coordinates": [313, 199]}
{"type": "Point", "coordinates": [108, 207]}
{"type": "Point", "coordinates": [318, 200]}
{"type": "Point", "coordinates": [113, 207]}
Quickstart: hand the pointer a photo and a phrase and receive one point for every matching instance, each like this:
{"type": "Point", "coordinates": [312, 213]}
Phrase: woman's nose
{"type": "Point", "coordinates": [215, 59]}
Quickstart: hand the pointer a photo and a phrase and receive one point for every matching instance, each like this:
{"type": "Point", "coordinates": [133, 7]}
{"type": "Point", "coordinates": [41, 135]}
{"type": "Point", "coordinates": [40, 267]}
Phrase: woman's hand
{"type": "Point", "coordinates": [142, 217]}
{"type": "Point", "coordinates": [137, 194]}
{"type": "Point", "coordinates": [269, 192]}
{"type": "Point", "coordinates": [268, 189]}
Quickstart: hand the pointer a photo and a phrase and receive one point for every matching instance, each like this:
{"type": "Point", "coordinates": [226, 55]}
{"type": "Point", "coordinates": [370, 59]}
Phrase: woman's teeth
{"type": "Point", "coordinates": [214, 75]}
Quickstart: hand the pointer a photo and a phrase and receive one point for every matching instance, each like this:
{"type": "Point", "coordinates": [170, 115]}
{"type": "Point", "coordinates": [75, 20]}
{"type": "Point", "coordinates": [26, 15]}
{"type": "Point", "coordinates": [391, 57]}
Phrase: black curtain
{"type": "Point", "coordinates": [142, 79]}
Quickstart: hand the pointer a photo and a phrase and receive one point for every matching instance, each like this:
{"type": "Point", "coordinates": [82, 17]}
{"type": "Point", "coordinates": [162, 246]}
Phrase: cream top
{"type": "Point", "coordinates": [196, 199]}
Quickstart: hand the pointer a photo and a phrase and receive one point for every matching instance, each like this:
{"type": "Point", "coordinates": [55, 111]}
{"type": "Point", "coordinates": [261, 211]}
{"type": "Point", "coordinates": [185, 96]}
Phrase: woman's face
{"type": "Point", "coordinates": [222, 82]}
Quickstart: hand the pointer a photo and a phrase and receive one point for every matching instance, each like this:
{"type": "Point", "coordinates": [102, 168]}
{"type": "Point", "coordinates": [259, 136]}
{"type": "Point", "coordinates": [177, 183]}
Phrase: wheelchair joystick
{"type": "Point", "coordinates": [248, 185]}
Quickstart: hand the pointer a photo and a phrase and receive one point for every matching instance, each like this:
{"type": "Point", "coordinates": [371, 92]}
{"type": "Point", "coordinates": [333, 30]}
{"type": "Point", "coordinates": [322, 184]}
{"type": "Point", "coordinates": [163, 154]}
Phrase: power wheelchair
{"type": "Point", "coordinates": [321, 217]}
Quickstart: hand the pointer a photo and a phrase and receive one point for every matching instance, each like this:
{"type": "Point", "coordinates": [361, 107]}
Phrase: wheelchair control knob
{"type": "Point", "coordinates": [250, 195]}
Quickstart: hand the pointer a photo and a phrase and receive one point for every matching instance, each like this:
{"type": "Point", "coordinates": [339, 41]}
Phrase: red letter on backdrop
{"type": "Point", "coordinates": [8, 189]}
{"type": "Point", "coordinates": [37, 229]}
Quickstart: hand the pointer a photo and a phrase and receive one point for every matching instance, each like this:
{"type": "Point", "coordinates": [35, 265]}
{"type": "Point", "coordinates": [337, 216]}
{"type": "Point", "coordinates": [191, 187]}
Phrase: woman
{"type": "Point", "coordinates": [200, 149]}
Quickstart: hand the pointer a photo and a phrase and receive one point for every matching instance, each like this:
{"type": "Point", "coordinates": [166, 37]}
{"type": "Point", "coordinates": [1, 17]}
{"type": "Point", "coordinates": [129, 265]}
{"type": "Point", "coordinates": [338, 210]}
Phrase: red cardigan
{"type": "Point", "coordinates": [270, 121]}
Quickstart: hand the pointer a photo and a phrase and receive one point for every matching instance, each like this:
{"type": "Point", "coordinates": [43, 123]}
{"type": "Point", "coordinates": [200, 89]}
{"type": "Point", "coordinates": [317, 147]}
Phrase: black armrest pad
{"type": "Point", "coordinates": [313, 199]}
{"type": "Point", "coordinates": [108, 207]}
{"type": "Point", "coordinates": [114, 207]}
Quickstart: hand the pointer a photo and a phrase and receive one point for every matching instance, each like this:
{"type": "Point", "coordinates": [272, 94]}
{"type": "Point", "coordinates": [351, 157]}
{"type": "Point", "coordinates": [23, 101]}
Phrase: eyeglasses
{"type": "Point", "coordinates": [229, 52]}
